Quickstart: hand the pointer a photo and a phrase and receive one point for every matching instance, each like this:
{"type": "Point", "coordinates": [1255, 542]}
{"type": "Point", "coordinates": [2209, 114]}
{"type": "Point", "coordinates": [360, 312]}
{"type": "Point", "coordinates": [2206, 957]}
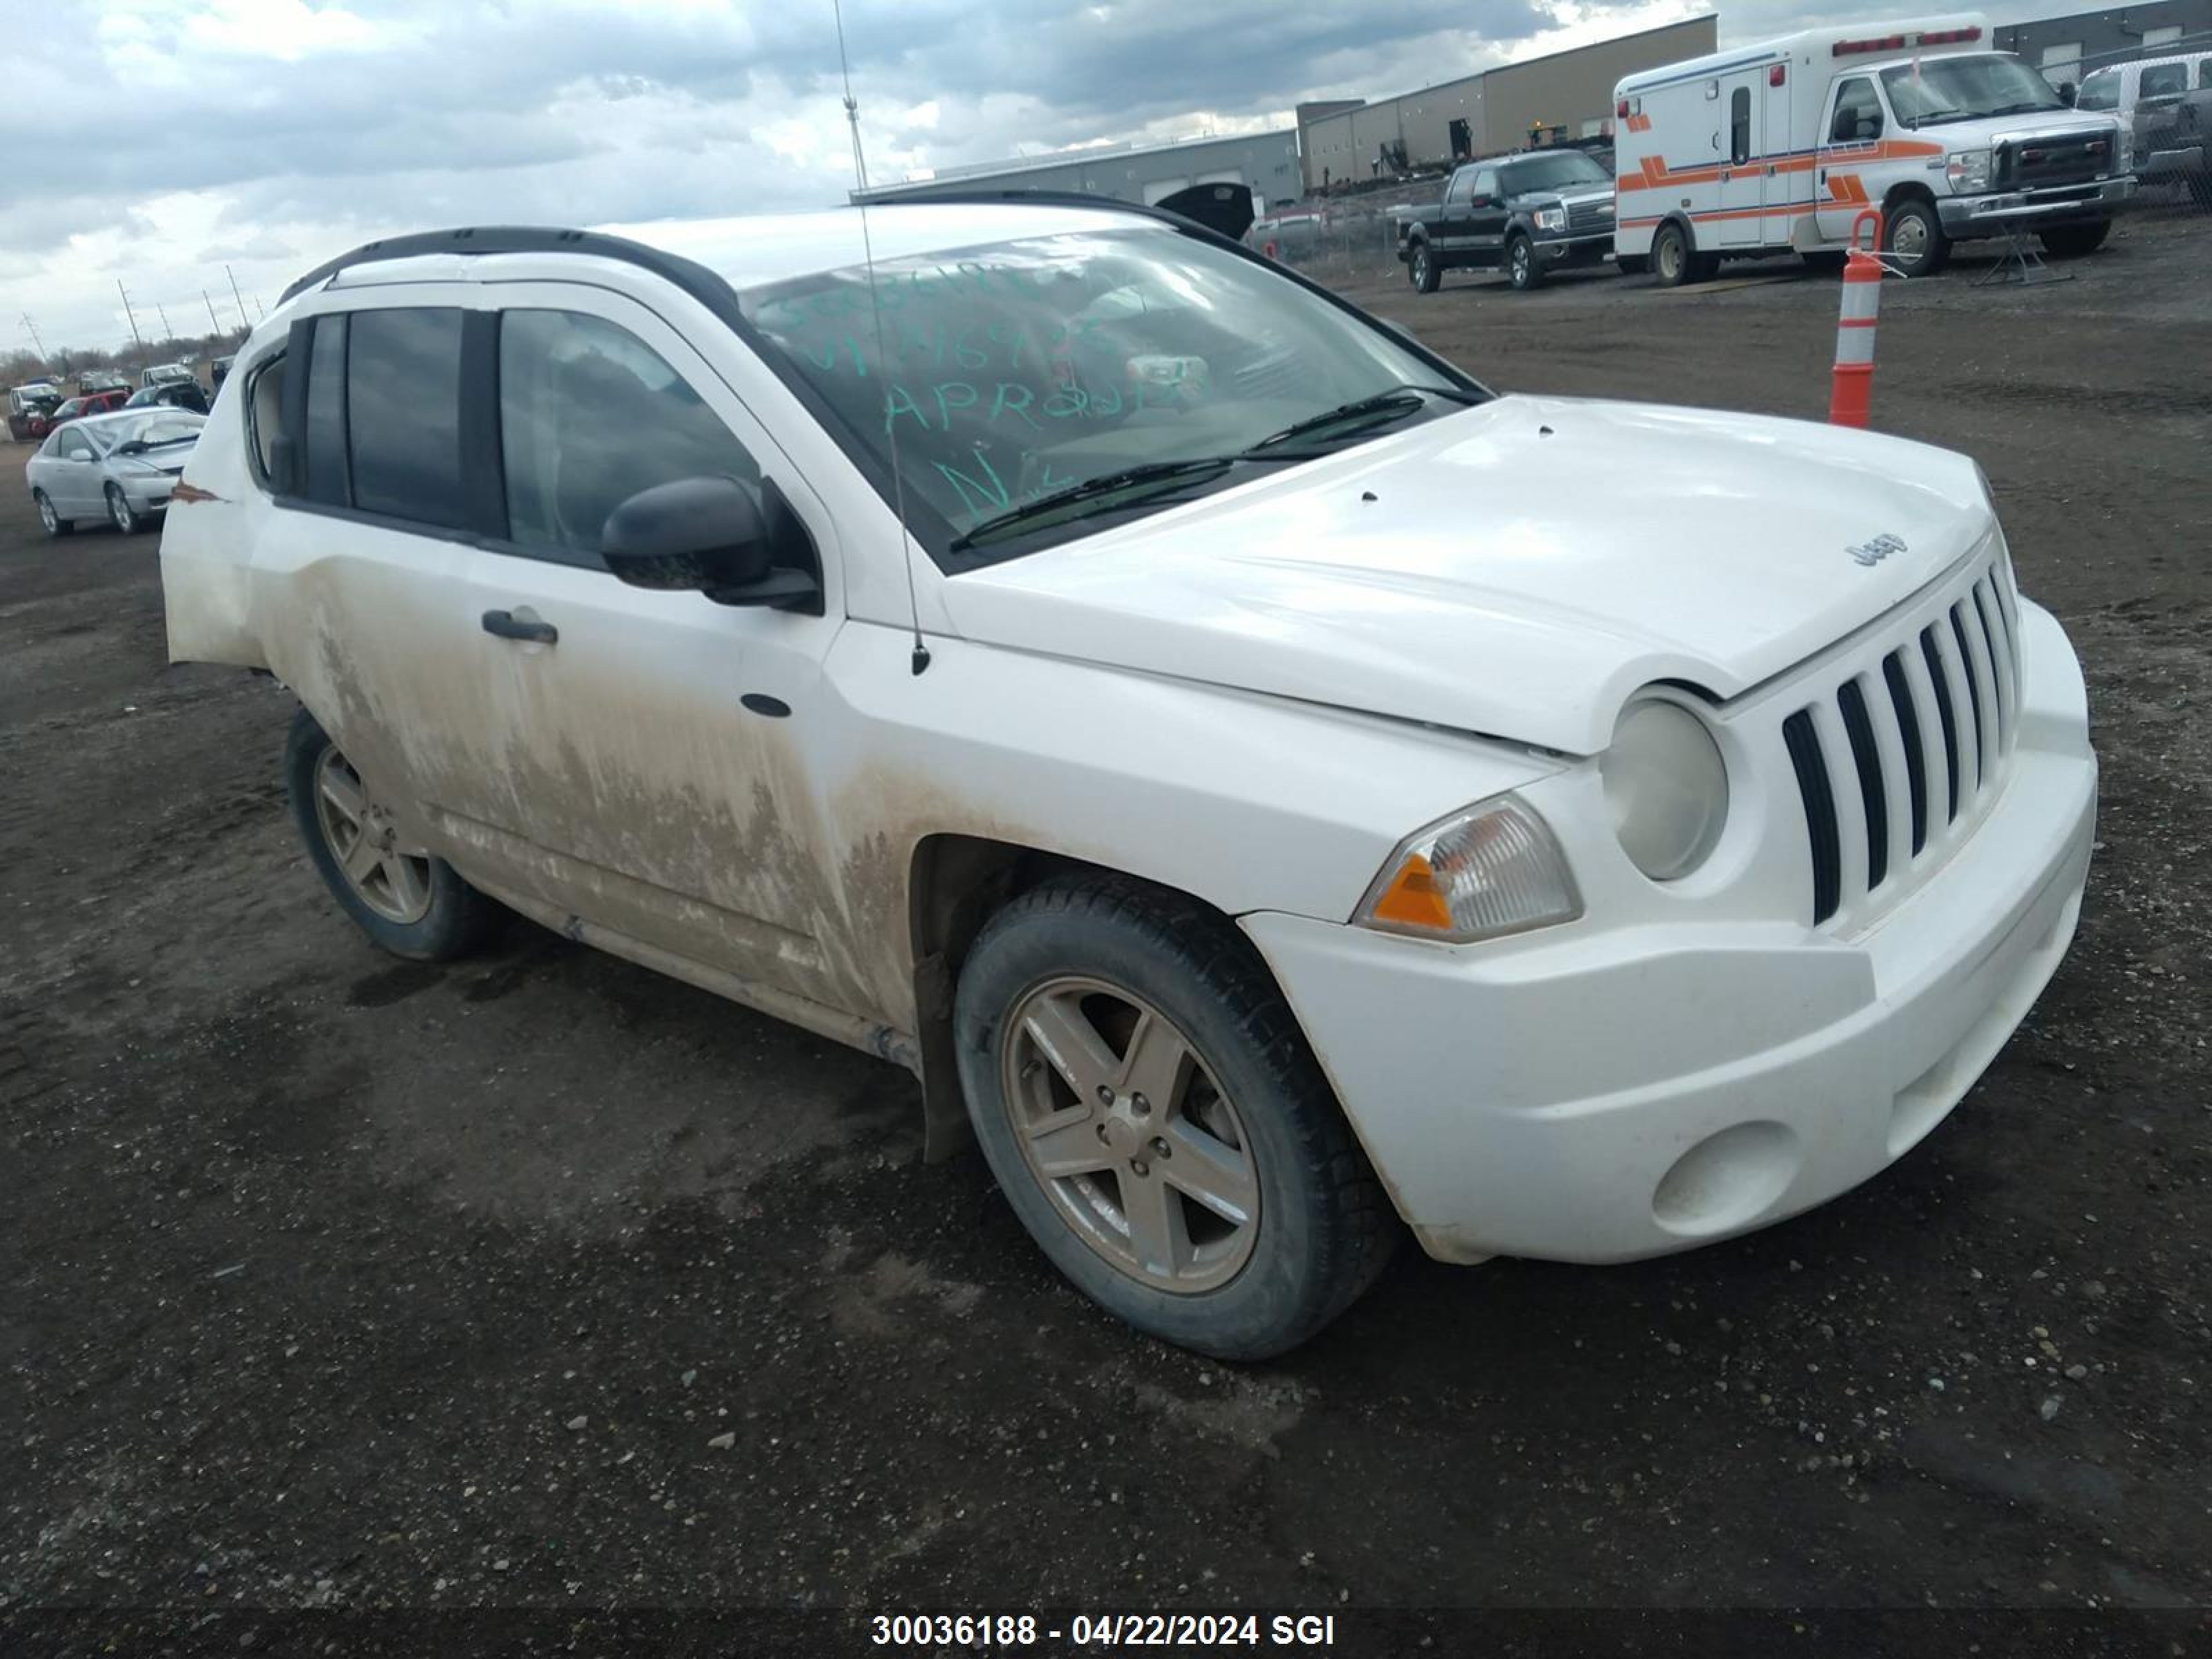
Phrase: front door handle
{"type": "Point", "coordinates": [508, 626]}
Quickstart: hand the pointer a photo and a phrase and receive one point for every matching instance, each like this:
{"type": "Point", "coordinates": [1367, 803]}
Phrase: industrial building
{"type": "Point", "coordinates": [2068, 48]}
{"type": "Point", "coordinates": [1268, 162]}
{"type": "Point", "coordinates": [1564, 95]}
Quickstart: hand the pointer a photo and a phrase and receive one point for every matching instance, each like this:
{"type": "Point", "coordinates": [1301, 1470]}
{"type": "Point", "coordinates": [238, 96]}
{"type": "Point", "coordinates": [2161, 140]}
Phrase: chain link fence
{"type": "Point", "coordinates": [2161, 95]}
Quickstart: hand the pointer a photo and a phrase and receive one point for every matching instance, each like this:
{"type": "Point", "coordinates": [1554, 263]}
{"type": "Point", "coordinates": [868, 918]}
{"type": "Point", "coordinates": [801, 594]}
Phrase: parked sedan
{"type": "Point", "coordinates": [172, 394]}
{"type": "Point", "coordinates": [96, 403]}
{"type": "Point", "coordinates": [120, 467]}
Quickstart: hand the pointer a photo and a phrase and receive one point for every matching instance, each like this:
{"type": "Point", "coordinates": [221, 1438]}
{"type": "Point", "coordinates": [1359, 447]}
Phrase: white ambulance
{"type": "Point", "coordinates": [1781, 148]}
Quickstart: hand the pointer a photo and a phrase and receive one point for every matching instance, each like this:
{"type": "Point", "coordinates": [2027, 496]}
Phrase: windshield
{"type": "Point", "coordinates": [2101, 91]}
{"type": "Point", "coordinates": [1942, 89]}
{"type": "Point", "coordinates": [1019, 370]}
{"type": "Point", "coordinates": [152, 428]}
{"type": "Point", "coordinates": [1564, 171]}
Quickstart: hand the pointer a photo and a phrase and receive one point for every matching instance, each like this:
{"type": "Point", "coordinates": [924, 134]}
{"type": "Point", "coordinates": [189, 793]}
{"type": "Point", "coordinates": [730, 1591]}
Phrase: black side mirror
{"type": "Point", "coordinates": [2068, 91]}
{"type": "Point", "coordinates": [710, 535]}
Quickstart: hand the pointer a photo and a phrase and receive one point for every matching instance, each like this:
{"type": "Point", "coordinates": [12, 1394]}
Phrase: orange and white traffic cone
{"type": "Point", "coordinates": [1851, 392]}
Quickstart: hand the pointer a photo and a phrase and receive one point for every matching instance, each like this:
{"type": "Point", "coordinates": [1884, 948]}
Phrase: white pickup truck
{"type": "Point", "coordinates": [1278, 793]}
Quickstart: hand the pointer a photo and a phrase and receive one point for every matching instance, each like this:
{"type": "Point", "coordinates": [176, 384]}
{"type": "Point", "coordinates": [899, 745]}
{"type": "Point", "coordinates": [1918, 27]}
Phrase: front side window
{"type": "Point", "coordinates": [589, 416]}
{"type": "Point", "coordinates": [74, 447]}
{"type": "Point", "coordinates": [1462, 186]}
{"type": "Point", "coordinates": [2101, 91]}
{"type": "Point", "coordinates": [1858, 112]}
{"type": "Point", "coordinates": [1486, 184]}
{"type": "Point", "coordinates": [403, 413]}
{"type": "Point", "coordinates": [1966, 88]}
{"type": "Point", "coordinates": [1016, 371]}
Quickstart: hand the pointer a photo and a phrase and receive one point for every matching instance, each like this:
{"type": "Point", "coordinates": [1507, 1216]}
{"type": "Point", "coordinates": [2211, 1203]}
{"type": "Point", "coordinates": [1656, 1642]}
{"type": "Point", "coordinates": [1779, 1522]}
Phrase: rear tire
{"type": "Point", "coordinates": [1673, 261]}
{"type": "Point", "coordinates": [1523, 268]}
{"type": "Point", "coordinates": [56, 526]}
{"type": "Point", "coordinates": [408, 902]}
{"type": "Point", "coordinates": [2073, 241]}
{"type": "Point", "coordinates": [1912, 235]}
{"type": "Point", "coordinates": [1422, 270]}
{"type": "Point", "coordinates": [1056, 996]}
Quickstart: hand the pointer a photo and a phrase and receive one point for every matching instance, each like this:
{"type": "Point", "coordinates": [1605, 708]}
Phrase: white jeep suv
{"type": "Point", "coordinates": [1270, 786]}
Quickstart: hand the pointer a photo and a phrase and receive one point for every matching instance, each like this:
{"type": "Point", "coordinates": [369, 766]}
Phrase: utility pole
{"type": "Point", "coordinates": [35, 340]}
{"type": "Point", "coordinates": [261, 309]}
{"type": "Point", "coordinates": [244, 321]}
{"type": "Point", "coordinates": [168, 333]}
{"type": "Point", "coordinates": [130, 313]}
{"type": "Point", "coordinates": [213, 325]}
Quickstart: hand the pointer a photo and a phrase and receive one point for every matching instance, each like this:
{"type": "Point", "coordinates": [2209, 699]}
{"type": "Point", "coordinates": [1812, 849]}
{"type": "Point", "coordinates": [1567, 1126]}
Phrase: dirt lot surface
{"type": "Point", "coordinates": [332, 1280]}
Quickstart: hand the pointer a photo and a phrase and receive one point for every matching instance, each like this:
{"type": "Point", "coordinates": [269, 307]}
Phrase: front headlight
{"type": "Point", "coordinates": [1968, 170]}
{"type": "Point", "coordinates": [1668, 787]}
{"type": "Point", "coordinates": [1551, 218]}
{"type": "Point", "coordinates": [1490, 870]}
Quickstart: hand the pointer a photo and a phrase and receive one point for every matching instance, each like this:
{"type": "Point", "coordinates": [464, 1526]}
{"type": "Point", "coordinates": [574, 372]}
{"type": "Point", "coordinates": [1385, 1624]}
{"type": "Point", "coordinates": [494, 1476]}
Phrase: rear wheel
{"type": "Point", "coordinates": [1912, 234]}
{"type": "Point", "coordinates": [2072, 241]}
{"type": "Point", "coordinates": [1674, 262]}
{"type": "Point", "coordinates": [1153, 1114]}
{"type": "Point", "coordinates": [1422, 270]}
{"type": "Point", "coordinates": [1523, 268]}
{"type": "Point", "coordinates": [410, 903]}
{"type": "Point", "coordinates": [54, 524]}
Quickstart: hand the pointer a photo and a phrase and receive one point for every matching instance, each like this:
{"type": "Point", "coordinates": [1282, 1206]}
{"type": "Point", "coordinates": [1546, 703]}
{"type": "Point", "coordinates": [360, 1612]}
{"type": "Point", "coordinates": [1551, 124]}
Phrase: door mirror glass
{"type": "Point", "coordinates": [2068, 93]}
{"type": "Point", "coordinates": [706, 535]}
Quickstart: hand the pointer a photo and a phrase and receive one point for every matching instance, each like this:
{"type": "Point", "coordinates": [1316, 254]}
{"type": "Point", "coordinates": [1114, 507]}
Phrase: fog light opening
{"type": "Point", "coordinates": [1727, 1180]}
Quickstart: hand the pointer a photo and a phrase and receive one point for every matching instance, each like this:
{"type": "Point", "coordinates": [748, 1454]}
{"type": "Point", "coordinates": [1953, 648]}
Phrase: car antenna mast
{"type": "Point", "coordinates": [882, 357]}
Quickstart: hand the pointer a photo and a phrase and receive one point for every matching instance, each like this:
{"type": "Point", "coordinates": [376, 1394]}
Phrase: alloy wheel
{"type": "Point", "coordinates": [1127, 1130]}
{"type": "Point", "coordinates": [47, 516]}
{"type": "Point", "coordinates": [390, 875]}
{"type": "Point", "coordinates": [118, 510]}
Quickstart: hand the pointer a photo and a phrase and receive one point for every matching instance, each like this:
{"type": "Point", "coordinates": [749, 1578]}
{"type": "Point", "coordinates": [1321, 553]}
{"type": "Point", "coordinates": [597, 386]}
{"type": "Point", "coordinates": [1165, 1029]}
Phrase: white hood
{"type": "Point", "coordinates": [1518, 569]}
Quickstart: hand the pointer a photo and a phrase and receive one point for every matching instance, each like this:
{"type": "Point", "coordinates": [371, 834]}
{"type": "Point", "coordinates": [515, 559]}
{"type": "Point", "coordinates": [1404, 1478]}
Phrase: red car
{"type": "Point", "coordinates": [95, 403]}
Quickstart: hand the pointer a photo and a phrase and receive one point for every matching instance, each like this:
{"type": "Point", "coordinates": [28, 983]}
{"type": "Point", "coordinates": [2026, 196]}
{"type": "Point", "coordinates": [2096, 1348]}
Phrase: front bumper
{"type": "Point", "coordinates": [1627, 1092]}
{"type": "Point", "coordinates": [1582, 248]}
{"type": "Point", "coordinates": [1968, 216]}
{"type": "Point", "coordinates": [150, 495]}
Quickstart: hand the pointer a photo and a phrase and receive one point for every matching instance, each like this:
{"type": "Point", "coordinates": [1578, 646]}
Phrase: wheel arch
{"type": "Point", "coordinates": [957, 883]}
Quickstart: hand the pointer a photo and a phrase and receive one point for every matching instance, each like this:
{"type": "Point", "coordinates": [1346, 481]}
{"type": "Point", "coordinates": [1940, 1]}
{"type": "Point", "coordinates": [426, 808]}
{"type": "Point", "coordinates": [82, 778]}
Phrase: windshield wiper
{"type": "Point", "coordinates": [1398, 400]}
{"type": "Point", "coordinates": [1106, 483]}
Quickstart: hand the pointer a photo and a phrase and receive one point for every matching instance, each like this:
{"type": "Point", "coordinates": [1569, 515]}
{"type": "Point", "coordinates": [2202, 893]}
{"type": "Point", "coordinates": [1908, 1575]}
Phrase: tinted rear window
{"type": "Point", "coordinates": [403, 414]}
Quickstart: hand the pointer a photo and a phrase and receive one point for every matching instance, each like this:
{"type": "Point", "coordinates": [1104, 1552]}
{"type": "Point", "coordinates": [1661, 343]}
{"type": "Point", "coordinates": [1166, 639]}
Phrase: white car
{"type": "Point", "coordinates": [1268, 808]}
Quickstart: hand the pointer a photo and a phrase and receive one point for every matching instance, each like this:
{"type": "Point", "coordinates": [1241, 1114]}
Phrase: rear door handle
{"type": "Point", "coordinates": [508, 626]}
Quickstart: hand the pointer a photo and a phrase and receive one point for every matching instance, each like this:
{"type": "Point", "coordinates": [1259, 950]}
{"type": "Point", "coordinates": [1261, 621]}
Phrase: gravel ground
{"type": "Point", "coordinates": [336, 1281]}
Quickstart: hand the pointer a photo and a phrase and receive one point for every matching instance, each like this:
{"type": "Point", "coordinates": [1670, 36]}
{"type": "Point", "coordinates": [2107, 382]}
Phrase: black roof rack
{"type": "Point", "coordinates": [689, 275]}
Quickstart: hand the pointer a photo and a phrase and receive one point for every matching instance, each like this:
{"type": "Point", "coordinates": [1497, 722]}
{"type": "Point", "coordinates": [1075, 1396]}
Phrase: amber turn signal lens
{"type": "Point", "coordinates": [1412, 899]}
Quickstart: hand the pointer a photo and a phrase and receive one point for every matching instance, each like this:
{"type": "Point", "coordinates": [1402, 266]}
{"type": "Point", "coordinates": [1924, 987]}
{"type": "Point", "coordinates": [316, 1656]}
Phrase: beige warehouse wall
{"type": "Point", "coordinates": [1570, 88]}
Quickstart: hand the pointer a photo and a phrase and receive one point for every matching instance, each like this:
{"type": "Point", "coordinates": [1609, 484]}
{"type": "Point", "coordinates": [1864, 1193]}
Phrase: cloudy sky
{"type": "Point", "coordinates": [176, 137]}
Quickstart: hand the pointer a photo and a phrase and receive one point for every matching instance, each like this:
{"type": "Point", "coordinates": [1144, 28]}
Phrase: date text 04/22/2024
{"type": "Point", "coordinates": [1104, 1630]}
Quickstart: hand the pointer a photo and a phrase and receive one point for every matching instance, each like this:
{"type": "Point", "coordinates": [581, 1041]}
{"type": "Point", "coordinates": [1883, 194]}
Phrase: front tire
{"type": "Point", "coordinates": [409, 903]}
{"type": "Point", "coordinates": [1150, 1108]}
{"type": "Point", "coordinates": [56, 526]}
{"type": "Point", "coordinates": [1912, 234]}
{"type": "Point", "coordinates": [1423, 271]}
{"type": "Point", "coordinates": [121, 513]}
{"type": "Point", "coordinates": [2074, 242]}
{"type": "Point", "coordinates": [1522, 268]}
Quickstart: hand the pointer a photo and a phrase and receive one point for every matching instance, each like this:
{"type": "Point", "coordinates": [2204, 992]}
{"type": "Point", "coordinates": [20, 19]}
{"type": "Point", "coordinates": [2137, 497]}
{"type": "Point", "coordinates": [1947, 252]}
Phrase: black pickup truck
{"type": "Point", "coordinates": [1524, 214]}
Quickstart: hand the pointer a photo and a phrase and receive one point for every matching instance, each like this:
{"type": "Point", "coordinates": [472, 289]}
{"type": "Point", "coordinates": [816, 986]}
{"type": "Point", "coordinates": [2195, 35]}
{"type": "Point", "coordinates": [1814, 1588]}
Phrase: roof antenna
{"type": "Point", "coordinates": [882, 357]}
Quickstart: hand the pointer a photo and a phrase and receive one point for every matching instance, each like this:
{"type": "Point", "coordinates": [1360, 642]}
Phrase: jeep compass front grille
{"type": "Point", "coordinates": [1897, 761]}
